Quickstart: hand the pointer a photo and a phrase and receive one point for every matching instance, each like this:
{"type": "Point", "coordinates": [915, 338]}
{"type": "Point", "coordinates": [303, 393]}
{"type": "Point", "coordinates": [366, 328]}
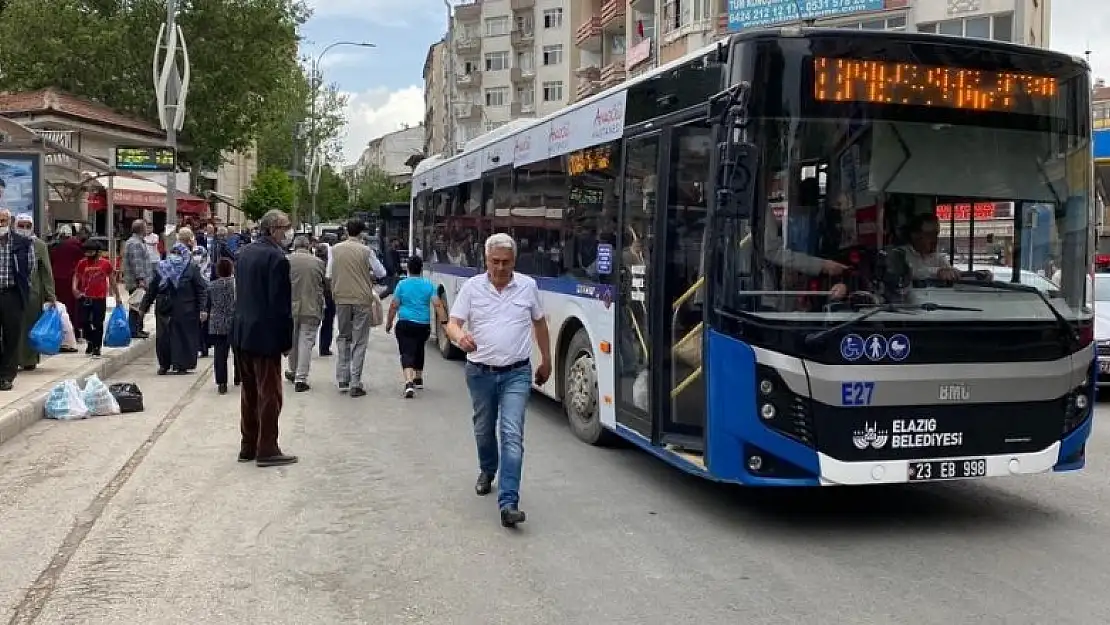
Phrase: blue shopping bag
{"type": "Point", "coordinates": [118, 331]}
{"type": "Point", "coordinates": [47, 333]}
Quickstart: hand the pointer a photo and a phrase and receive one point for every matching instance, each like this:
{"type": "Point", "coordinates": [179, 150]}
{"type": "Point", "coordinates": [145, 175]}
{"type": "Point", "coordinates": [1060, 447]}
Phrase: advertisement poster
{"type": "Point", "coordinates": [19, 182]}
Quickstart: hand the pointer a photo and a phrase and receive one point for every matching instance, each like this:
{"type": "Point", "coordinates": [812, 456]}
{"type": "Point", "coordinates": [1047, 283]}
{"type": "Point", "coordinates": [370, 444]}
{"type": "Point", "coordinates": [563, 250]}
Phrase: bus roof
{"type": "Point", "coordinates": [567, 130]}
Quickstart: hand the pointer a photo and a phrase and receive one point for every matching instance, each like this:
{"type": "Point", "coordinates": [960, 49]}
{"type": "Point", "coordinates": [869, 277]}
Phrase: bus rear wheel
{"type": "Point", "coordinates": [580, 397]}
{"type": "Point", "coordinates": [447, 349]}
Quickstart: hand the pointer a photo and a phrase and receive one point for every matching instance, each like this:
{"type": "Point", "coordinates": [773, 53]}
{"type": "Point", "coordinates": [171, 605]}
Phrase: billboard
{"type": "Point", "coordinates": [21, 183]}
{"type": "Point", "coordinates": [744, 14]}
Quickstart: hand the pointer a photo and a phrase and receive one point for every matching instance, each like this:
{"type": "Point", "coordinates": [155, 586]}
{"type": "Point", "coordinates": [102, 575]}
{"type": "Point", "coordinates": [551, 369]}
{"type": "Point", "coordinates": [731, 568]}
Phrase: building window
{"type": "Point", "coordinates": [553, 91]}
{"type": "Point", "coordinates": [526, 96]}
{"type": "Point", "coordinates": [524, 24]}
{"type": "Point", "coordinates": [491, 126]}
{"type": "Point", "coordinates": [497, 96]}
{"type": "Point", "coordinates": [997, 27]}
{"type": "Point", "coordinates": [525, 61]}
{"type": "Point", "coordinates": [553, 55]}
{"type": "Point", "coordinates": [553, 18]}
{"type": "Point", "coordinates": [497, 61]}
{"type": "Point", "coordinates": [497, 26]}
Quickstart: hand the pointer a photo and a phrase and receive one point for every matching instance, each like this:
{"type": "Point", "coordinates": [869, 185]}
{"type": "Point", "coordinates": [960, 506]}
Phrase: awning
{"type": "Point", "coordinates": [134, 192]}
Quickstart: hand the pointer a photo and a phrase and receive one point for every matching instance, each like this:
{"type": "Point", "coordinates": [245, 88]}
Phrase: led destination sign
{"type": "Point", "coordinates": [145, 159]}
{"type": "Point", "coordinates": [912, 84]}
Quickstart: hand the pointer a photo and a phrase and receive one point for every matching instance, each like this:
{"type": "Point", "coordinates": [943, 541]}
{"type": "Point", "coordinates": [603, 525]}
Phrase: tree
{"type": "Point", "coordinates": [243, 56]}
{"type": "Point", "coordinates": [333, 201]}
{"type": "Point", "coordinates": [272, 189]}
{"type": "Point", "coordinates": [278, 144]}
{"type": "Point", "coordinates": [375, 188]}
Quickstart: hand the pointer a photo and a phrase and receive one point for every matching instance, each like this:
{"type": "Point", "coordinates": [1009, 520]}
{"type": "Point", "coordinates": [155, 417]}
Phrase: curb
{"type": "Point", "coordinates": [31, 410]}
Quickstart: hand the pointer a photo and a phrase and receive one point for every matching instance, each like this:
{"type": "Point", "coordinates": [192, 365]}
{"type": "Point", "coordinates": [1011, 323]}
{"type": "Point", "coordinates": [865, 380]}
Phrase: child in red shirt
{"type": "Point", "coordinates": [93, 280]}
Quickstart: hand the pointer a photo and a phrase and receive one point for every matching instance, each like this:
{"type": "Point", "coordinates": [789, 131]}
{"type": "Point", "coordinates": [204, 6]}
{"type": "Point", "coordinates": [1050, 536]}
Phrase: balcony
{"type": "Point", "coordinates": [586, 88]}
{"type": "Point", "coordinates": [467, 111]}
{"type": "Point", "coordinates": [521, 74]}
{"type": "Point", "coordinates": [523, 38]}
{"type": "Point", "coordinates": [612, 16]}
{"type": "Point", "coordinates": [613, 73]}
{"type": "Point", "coordinates": [522, 109]}
{"type": "Point", "coordinates": [588, 35]}
{"type": "Point", "coordinates": [466, 44]}
{"type": "Point", "coordinates": [472, 80]}
{"type": "Point", "coordinates": [523, 5]}
{"type": "Point", "coordinates": [470, 12]}
{"type": "Point", "coordinates": [643, 6]}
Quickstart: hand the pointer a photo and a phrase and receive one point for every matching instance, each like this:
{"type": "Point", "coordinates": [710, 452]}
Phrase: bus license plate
{"type": "Point", "coordinates": [947, 469]}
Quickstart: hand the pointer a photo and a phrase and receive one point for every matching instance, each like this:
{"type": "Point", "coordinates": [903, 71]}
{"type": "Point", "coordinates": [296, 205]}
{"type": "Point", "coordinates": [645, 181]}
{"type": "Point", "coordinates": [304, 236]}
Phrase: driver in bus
{"type": "Point", "coordinates": [923, 260]}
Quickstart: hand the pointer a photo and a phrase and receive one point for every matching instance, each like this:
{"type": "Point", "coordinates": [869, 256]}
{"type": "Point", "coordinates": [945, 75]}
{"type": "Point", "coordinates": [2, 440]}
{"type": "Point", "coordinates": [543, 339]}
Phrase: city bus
{"type": "Point", "coordinates": [740, 259]}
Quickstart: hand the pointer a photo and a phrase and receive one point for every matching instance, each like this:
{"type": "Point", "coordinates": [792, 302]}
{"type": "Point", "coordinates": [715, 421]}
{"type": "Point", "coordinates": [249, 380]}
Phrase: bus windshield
{"type": "Point", "coordinates": [858, 205]}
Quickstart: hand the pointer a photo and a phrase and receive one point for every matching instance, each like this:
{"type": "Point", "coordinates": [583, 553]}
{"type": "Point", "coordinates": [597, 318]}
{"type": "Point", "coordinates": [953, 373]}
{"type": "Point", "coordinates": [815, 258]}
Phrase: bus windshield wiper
{"type": "Point", "coordinates": [816, 337]}
{"type": "Point", "coordinates": [1071, 335]}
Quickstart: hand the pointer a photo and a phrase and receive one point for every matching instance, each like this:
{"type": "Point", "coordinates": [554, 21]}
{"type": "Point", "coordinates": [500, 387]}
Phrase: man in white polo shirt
{"type": "Point", "coordinates": [501, 309]}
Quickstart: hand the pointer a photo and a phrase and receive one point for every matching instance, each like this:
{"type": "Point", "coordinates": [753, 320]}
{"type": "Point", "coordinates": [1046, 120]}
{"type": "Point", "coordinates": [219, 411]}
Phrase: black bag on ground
{"type": "Point", "coordinates": [128, 396]}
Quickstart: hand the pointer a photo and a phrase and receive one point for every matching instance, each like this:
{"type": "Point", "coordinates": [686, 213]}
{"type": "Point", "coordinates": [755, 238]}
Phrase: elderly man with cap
{"type": "Point", "coordinates": [41, 290]}
{"type": "Point", "coordinates": [17, 263]}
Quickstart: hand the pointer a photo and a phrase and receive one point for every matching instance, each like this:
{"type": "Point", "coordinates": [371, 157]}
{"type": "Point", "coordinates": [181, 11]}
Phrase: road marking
{"type": "Point", "coordinates": [29, 609]}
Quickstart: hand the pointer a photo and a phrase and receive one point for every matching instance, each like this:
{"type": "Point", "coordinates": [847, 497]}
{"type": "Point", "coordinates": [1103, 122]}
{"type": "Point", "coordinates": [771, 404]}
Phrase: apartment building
{"type": "Point", "coordinates": [622, 38]}
{"type": "Point", "coordinates": [436, 103]}
{"type": "Point", "coordinates": [511, 59]}
{"type": "Point", "coordinates": [393, 153]}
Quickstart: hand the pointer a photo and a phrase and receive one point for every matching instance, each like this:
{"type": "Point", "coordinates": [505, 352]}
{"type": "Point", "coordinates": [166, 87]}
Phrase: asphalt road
{"type": "Point", "coordinates": [147, 518]}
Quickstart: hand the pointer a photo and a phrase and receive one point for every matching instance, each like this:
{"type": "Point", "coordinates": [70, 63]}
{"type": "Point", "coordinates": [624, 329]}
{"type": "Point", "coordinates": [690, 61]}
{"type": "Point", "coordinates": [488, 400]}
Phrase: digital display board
{"type": "Point", "coordinates": [146, 159]}
{"type": "Point", "coordinates": [912, 84]}
{"type": "Point", "coordinates": [964, 211]}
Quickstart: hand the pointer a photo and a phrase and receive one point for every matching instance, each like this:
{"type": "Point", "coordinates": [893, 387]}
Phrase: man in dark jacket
{"type": "Point", "coordinates": [261, 333]}
{"type": "Point", "coordinates": [17, 261]}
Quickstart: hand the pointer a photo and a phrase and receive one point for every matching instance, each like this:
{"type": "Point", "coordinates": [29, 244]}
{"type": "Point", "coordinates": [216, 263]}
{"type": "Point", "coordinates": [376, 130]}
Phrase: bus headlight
{"type": "Point", "coordinates": [766, 387]}
{"type": "Point", "coordinates": [767, 411]}
{"type": "Point", "coordinates": [1078, 407]}
{"type": "Point", "coordinates": [781, 409]}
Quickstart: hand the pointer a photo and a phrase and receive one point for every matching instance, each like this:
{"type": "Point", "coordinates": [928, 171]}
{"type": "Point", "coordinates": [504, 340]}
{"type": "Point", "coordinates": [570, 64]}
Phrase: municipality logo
{"type": "Point", "coordinates": [870, 436]}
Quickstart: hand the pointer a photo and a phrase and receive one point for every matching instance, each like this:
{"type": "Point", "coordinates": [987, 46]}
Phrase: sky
{"type": "Point", "coordinates": [385, 85]}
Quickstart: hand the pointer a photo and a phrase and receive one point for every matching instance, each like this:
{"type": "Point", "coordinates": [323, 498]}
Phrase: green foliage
{"type": "Point", "coordinates": [277, 143]}
{"type": "Point", "coordinates": [272, 189]}
{"type": "Point", "coordinates": [376, 188]}
{"type": "Point", "coordinates": [333, 202]}
{"type": "Point", "coordinates": [243, 56]}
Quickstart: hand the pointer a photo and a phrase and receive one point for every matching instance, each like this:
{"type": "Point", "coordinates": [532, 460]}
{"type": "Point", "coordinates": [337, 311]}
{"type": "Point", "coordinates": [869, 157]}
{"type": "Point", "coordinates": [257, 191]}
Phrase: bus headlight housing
{"type": "Point", "coordinates": [781, 409]}
{"type": "Point", "coordinates": [1078, 408]}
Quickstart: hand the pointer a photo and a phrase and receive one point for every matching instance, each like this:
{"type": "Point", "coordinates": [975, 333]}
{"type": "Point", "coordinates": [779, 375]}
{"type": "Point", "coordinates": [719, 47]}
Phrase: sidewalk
{"type": "Point", "coordinates": [22, 407]}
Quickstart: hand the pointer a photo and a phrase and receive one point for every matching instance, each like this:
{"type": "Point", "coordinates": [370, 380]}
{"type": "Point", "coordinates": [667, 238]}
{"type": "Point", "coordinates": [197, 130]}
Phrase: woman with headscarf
{"type": "Point", "coordinates": [204, 263]}
{"type": "Point", "coordinates": [179, 295]}
{"type": "Point", "coordinates": [64, 256]}
{"type": "Point", "coordinates": [42, 290]}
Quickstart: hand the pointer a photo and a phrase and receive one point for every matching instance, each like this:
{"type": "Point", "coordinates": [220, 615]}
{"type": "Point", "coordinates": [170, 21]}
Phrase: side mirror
{"type": "Point", "coordinates": [736, 179]}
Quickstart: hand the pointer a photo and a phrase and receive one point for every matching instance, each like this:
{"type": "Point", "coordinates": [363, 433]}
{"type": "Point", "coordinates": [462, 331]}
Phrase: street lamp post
{"type": "Point", "coordinates": [315, 162]}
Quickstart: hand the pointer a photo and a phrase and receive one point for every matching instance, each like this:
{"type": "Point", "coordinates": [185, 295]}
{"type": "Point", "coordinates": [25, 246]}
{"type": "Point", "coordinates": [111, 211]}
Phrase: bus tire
{"type": "Point", "coordinates": [447, 349]}
{"type": "Point", "coordinates": [579, 383]}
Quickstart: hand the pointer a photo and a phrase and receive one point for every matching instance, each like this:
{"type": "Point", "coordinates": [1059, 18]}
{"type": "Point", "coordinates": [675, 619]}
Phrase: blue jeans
{"type": "Point", "coordinates": [506, 393]}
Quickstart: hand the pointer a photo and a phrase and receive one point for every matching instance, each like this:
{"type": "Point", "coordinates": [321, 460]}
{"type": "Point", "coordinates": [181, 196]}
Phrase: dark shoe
{"type": "Point", "coordinates": [162, 371]}
{"type": "Point", "coordinates": [245, 456]}
{"type": "Point", "coordinates": [221, 389]}
{"type": "Point", "coordinates": [68, 350]}
{"type": "Point", "coordinates": [343, 388]}
{"type": "Point", "coordinates": [179, 372]}
{"type": "Point", "coordinates": [96, 353]}
{"type": "Point", "coordinates": [6, 385]}
{"type": "Point", "coordinates": [29, 367]}
{"type": "Point", "coordinates": [410, 390]}
{"type": "Point", "coordinates": [323, 354]}
{"type": "Point", "coordinates": [141, 335]}
{"type": "Point", "coordinates": [301, 387]}
{"type": "Point", "coordinates": [277, 461]}
{"type": "Point", "coordinates": [289, 375]}
{"type": "Point", "coordinates": [510, 516]}
{"type": "Point", "coordinates": [484, 485]}
{"type": "Point", "coordinates": [238, 382]}
{"type": "Point", "coordinates": [358, 392]}
{"type": "Point", "coordinates": [418, 383]}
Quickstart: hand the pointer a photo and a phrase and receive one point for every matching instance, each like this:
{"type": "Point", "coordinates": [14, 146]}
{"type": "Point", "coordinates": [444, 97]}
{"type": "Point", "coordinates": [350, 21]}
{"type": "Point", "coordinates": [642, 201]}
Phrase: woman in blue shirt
{"type": "Point", "coordinates": [413, 299]}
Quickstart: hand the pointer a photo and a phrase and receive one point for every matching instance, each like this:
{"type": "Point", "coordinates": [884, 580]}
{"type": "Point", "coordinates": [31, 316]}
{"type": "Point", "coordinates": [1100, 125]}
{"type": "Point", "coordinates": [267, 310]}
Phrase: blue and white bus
{"type": "Point", "coordinates": [738, 256]}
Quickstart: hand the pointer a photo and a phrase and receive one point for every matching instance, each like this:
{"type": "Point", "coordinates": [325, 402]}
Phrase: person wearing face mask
{"type": "Point", "coordinates": [93, 281]}
{"type": "Point", "coordinates": [41, 293]}
{"type": "Point", "coordinates": [179, 295]}
{"type": "Point", "coordinates": [17, 263]}
{"type": "Point", "coordinates": [261, 333]}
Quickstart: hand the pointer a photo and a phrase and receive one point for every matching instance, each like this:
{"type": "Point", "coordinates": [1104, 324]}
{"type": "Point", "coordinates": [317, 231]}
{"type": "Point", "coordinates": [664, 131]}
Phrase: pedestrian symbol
{"type": "Point", "coordinates": [876, 348]}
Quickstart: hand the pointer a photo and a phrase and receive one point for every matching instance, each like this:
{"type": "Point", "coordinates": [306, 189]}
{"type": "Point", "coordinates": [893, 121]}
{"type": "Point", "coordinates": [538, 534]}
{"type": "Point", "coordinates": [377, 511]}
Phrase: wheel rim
{"type": "Point", "coordinates": [581, 398]}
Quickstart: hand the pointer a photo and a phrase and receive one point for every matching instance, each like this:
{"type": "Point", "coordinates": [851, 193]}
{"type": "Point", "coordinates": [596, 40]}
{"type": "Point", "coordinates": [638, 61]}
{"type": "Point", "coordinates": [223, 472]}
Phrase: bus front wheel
{"type": "Point", "coordinates": [580, 391]}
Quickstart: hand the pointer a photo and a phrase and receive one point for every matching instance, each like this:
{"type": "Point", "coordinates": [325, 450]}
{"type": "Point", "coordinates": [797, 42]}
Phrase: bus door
{"type": "Point", "coordinates": [661, 297]}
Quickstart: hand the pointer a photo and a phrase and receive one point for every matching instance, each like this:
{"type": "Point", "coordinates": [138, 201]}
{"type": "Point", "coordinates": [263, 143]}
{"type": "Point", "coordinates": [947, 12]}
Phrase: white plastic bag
{"type": "Point", "coordinates": [641, 390]}
{"type": "Point", "coordinates": [98, 398]}
{"type": "Point", "coordinates": [65, 402]}
{"type": "Point", "coordinates": [69, 337]}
